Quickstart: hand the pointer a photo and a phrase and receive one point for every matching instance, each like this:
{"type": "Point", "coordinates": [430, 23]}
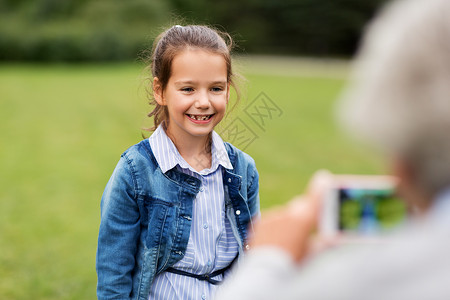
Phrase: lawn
{"type": "Point", "coordinates": [63, 128]}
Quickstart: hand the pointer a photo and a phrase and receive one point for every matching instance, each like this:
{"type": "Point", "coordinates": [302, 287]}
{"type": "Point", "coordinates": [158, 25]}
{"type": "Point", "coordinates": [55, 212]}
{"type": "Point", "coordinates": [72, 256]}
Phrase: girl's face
{"type": "Point", "coordinates": [196, 94]}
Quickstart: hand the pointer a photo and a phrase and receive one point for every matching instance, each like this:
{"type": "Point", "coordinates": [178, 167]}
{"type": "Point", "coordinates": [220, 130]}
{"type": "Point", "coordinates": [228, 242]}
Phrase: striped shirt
{"type": "Point", "coordinates": [212, 245]}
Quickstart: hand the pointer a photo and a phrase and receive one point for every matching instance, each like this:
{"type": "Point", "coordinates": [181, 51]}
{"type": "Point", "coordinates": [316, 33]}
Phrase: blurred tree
{"type": "Point", "coordinates": [74, 30]}
{"type": "Point", "coordinates": [78, 30]}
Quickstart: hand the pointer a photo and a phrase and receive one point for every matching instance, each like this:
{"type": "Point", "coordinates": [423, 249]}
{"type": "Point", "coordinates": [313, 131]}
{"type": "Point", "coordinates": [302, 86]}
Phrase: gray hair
{"type": "Point", "coordinates": [399, 96]}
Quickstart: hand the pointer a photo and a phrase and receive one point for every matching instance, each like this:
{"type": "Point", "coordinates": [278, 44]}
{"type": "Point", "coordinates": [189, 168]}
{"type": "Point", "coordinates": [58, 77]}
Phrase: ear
{"type": "Point", "coordinates": [408, 188]}
{"type": "Point", "coordinates": [398, 168]}
{"type": "Point", "coordinates": [158, 92]}
{"type": "Point", "coordinates": [403, 171]}
{"type": "Point", "coordinates": [228, 92]}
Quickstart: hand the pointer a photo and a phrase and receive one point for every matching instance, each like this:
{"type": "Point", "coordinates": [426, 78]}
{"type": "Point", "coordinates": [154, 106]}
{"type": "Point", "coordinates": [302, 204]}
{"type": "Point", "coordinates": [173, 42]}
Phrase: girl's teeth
{"type": "Point", "coordinates": [199, 118]}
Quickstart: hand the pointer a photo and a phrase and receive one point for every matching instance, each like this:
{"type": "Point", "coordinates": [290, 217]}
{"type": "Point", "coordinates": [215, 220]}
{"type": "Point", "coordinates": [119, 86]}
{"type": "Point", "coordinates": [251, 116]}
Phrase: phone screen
{"type": "Point", "coordinates": [367, 211]}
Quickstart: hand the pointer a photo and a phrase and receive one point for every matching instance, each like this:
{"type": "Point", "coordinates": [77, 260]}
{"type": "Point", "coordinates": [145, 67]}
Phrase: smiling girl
{"type": "Point", "coordinates": [176, 210]}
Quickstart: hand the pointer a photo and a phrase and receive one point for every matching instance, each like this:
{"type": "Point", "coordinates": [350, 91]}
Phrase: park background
{"type": "Point", "coordinates": [72, 99]}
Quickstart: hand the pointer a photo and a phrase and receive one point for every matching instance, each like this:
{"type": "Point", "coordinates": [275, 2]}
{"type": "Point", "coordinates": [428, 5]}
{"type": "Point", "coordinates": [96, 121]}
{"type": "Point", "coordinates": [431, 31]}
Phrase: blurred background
{"type": "Point", "coordinates": [73, 98]}
{"type": "Point", "coordinates": [107, 30]}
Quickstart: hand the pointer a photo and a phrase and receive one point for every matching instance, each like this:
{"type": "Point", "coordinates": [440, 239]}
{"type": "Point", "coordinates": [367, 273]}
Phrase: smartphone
{"type": "Point", "coordinates": [362, 206]}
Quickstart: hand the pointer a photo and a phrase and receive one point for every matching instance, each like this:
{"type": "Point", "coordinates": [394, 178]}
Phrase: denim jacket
{"type": "Point", "coordinates": [146, 218]}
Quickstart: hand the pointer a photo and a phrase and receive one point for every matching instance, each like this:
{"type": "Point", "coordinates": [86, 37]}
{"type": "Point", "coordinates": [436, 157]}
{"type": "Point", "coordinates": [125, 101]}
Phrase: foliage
{"type": "Point", "coordinates": [71, 30]}
{"type": "Point", "coordinates": [88, 30]}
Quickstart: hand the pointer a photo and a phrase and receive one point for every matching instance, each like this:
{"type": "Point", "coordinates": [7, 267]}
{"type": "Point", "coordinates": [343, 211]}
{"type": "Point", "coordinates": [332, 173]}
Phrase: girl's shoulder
{"type": "Point", "coordinates": [140, 152]}
{"type": "Point", "coordinates": [238, 157]}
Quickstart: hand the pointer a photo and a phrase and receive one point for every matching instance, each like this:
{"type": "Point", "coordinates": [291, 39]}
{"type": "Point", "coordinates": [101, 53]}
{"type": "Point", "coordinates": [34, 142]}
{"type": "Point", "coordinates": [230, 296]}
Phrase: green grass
{"type": "Point", "coordinates": [63, 129]}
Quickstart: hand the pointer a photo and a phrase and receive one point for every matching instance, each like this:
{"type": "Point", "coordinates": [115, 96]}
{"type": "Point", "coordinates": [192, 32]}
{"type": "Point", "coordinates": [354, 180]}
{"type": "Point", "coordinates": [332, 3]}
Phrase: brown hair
{"type": "Point", "coordinates": [176, 39]}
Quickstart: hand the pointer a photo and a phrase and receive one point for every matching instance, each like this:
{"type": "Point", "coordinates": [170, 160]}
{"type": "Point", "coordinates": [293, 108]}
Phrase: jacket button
{"type": "Point", "coordinates": [229, 179]}
{"type": "Point", "coordinates": [238, 212]}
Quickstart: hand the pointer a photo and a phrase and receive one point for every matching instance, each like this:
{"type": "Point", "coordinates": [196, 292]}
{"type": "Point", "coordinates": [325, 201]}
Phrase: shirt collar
{"type": "Point", "coordinates": [168, 157]}
{"type": "Point", "coordinates": [219, 153]}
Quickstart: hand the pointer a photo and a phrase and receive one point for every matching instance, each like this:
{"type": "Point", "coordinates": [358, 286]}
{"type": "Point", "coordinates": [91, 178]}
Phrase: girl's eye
{"type": "Point", "coordinates": [187, 89]}
{"type": "Point", "coordinates": [217, 89]}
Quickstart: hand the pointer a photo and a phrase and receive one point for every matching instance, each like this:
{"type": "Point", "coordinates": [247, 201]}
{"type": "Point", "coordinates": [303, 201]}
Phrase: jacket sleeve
{"type": "Point", "coordinates": [118, 234]}
{"type": "Point", "coordinates": [253, 190]}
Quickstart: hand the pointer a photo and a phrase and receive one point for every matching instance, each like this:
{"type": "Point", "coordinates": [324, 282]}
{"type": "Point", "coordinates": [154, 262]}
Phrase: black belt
{"type": "Point", "coordinates": [204, 277]}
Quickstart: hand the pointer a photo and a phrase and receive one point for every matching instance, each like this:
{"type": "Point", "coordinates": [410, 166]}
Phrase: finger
{"type": "Point", "coordinates": [321, 181]}
{"type": "Point", "coordinates": [304, 211]}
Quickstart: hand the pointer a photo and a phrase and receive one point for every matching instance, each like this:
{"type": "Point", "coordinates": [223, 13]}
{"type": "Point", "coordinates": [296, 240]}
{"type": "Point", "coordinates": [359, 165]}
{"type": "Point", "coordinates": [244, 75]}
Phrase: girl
{"type": "Point", "coordinates": [175, 212]}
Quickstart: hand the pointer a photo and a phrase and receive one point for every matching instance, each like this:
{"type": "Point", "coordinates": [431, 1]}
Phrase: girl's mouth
{"type": "Point", "coordinates": [200, 117]}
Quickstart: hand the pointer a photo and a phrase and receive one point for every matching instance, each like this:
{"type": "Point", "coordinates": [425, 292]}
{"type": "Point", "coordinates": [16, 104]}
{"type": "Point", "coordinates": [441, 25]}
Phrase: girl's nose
{"type": "Point", "coordinates": [202, 101]}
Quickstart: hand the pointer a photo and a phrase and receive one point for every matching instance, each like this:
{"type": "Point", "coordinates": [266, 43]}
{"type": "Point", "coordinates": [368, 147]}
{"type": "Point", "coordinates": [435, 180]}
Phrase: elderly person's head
{"type": "Point", "coordinates": [399, 99]}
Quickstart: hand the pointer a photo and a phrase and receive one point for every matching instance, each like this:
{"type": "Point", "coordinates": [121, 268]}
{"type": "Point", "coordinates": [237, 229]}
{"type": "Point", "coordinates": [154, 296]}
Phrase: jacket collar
{"type": "Point", "coordinates": [168, 157]}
